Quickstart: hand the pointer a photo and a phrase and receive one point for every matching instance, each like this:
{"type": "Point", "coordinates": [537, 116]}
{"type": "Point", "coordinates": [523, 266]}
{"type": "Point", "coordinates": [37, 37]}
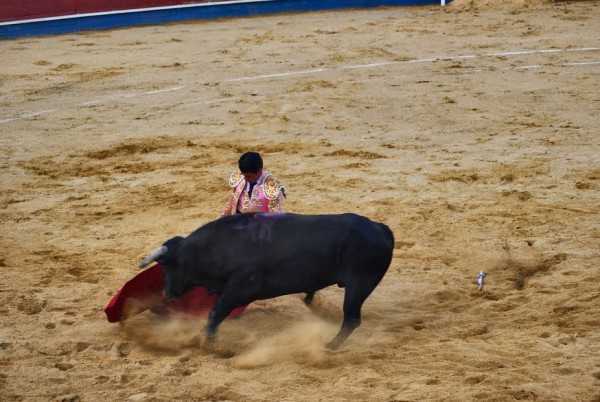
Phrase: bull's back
{"type": "Point", "coordinates": [332, 247]}
{"type": "Point", "coordinates": [290, 244]}
{"type": "Point", "coordinates": [291, 234]}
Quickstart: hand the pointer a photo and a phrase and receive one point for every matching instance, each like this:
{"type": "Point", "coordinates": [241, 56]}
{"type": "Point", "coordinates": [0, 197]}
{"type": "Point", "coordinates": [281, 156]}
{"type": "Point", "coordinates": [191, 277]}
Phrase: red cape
{"type": "Point", "coordinates": [145, 292]}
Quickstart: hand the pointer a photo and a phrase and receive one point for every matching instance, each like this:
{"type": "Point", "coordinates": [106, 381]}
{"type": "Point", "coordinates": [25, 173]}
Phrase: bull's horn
{"type": "Point", "coordinates": [153, 255]}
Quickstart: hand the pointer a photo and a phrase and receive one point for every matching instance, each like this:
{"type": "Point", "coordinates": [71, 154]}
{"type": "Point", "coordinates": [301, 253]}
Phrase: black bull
{"type": "Point", "coordinates": [254, 256]}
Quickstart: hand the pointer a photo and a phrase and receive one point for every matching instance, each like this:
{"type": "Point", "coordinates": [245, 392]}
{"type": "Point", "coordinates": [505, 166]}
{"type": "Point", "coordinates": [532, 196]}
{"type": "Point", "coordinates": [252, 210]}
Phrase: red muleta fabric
{"type": "Point", "coordinates": [145, 292]}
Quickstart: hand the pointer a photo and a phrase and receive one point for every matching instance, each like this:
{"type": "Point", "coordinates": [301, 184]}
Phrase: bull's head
{"type": "Point", "coordinates": [176, 282]}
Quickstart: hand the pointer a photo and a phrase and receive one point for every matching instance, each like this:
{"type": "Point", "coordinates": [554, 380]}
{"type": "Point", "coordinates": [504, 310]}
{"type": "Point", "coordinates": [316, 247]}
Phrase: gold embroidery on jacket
{"type": "Point", "coordinates": [272, 188]}
{"type": "Point", "coordinates": [235, 179]}
{"type": "Point", "coordinates": [275, 206]}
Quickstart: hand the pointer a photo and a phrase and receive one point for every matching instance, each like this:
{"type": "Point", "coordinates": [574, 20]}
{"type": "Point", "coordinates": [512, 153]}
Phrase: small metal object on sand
{"type": "Point", "coordinates": [480, 280]}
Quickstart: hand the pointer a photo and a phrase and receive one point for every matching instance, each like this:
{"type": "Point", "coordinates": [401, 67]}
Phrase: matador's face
{"type": "Point", "coordinates": [252, 177]}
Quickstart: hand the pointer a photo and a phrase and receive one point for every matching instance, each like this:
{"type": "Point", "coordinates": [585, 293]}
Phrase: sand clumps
{"type": "Point", "coordinates": [509, 5]}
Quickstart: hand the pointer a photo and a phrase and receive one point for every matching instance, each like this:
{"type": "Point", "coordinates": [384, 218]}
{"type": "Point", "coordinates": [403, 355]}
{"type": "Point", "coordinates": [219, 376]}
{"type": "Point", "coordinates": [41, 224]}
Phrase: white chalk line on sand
{"type": "Point", "coordinates": [126, 95]}
{"type": "Point", "coordinates": [535, 66]}
{"type": "Point", "coordinates": [522, 52]}
{"type": "Point", "coordinates": [29, 115]}
{"type": "Point", "coordinates": [116, 97]}
{"type": "Point", "coordinates": [277, 75]}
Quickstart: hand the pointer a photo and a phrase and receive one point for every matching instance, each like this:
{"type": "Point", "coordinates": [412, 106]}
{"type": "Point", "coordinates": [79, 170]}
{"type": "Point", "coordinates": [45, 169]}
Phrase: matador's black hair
{"type": "Point", "coordinates": [250, 162]}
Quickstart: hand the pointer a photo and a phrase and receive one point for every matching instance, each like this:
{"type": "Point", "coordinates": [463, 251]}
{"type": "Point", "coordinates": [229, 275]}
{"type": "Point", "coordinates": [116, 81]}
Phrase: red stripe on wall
{"type": "Point", "coordinates": [15, 10]}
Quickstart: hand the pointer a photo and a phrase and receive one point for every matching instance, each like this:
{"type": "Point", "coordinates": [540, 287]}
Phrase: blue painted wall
{"type": "Point", "coordinates": [83, 22]}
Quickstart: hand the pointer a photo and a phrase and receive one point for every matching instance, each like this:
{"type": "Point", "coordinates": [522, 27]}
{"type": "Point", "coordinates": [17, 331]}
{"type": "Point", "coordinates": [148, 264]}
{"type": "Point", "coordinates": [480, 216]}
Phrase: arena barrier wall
{"type": "Point", "coordinates": [44, 17]}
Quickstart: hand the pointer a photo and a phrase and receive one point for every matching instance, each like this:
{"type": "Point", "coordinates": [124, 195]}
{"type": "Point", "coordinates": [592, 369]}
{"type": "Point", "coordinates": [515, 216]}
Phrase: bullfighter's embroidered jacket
{"type": "Point", "coordinates": [267, 195]}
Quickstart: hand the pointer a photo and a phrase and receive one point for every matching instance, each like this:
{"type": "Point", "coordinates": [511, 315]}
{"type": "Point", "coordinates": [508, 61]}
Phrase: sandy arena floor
{"type": "Point", "coordinates": [472, 131]}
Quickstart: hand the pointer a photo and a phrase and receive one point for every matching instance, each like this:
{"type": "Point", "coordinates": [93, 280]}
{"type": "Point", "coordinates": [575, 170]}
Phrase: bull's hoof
{"type": "Point", "coordinates": [210, 336]}
{"type": "Point", "coordinates": [333, 345]}
{"type": "Point", "coordinates": [196, 342]}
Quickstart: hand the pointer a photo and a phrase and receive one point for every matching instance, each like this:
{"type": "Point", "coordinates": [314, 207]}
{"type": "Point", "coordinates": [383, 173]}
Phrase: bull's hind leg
{"type": "Point", "coordinates": [353, 300]}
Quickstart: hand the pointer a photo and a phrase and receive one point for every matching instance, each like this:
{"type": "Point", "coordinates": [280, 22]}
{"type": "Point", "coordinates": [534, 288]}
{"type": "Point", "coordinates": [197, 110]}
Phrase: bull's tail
{"type": "Point", "coordinates": [168, 247]}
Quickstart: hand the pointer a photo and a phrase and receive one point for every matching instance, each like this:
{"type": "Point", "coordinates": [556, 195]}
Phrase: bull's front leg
{"type": "Point", "coordinates": [216, 316]}
{"type": "Point", "coordinates": [241, 290]}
